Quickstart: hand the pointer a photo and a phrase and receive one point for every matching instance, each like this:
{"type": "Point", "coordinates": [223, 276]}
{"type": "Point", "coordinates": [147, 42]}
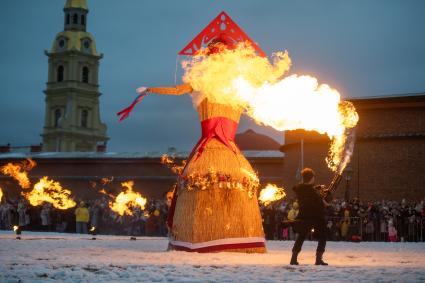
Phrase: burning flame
{"type": "Point", "coordinates": [19, 171]}
{"type": "Point", "coordinates": [1, 194]}
{"type": "Point", "coordinates": [15, 228]}
{"type": "Point", "coordinates": [50, 191]}
{"type": "Point", "coordinates": [251, 83]}
{"type": "Point", "coordinates": [128, 199]}
{"type": "Point", "coordinates": [92, 229]}
{"type": "Point", "coordinates": [251, 175]}
{"type": "Point", "coordinates": [170, 163]}
{"type": "Point", "coordinates": [271, 193]}
{"type": "Point", "coordinates": [105, 180]}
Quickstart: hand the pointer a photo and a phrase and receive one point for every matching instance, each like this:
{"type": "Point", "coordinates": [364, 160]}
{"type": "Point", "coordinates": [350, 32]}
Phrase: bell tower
{"type": "Point", "coordinates": [72, 118]}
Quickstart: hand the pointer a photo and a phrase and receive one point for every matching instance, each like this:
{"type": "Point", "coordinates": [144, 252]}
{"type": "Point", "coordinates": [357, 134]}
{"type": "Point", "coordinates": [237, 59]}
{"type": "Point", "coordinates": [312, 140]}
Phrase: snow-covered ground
{"type": "Point", "coordinates": [46, 257]}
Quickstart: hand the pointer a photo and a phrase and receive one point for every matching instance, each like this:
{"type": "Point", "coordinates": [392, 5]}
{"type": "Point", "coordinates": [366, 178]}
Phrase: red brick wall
{"type": "Point", "coordinates": [387, 163]}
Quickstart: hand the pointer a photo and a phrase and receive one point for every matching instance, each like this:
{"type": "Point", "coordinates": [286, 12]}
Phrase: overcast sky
{"type": "Point", "coordinates": [362, 48]}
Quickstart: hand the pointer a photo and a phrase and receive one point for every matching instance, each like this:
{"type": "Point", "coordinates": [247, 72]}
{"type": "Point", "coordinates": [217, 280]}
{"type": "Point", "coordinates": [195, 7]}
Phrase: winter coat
{"type": "Point", "coordinates": [292, 214]}
{"type": "Point", "coordinates": [22, 214]}
{"type": "Point", "coordinates": [310, 202]}
{"type": "Point", "coordinates": [82, 214]}
{"type": "Point", "coordinates": [345, 223]}
{"type": "Point", "coordinates": [45, 216]}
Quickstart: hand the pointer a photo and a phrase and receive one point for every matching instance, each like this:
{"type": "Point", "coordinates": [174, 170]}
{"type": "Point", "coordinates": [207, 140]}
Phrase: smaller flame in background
{"type": "Point", "coordinates": [105, 181]}
{"type": "Point", "coordinates": [170, 163]}
{"type": "Point", "coordinates": [271, 193]}
{"type": "Point", "coordinates": [92, 229]}
{"type": "Point", "coordinates": [1, 194]}
{"type": "Point", "coordinates": [127, 200]}
{"type": "Point", "coordinates": [19, 171]}
{"type": "Point", "coordinates": [46, 190]}
{"type": "Point", "coordinates": [15, 228]}
{"type": "Point", "coordinates": [104, 192]}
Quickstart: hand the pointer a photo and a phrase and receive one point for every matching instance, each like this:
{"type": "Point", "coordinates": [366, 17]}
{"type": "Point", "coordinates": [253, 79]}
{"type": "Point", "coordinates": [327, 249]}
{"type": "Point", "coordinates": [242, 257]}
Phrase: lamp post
{"type": "Point", "coordinates": [348, 174]}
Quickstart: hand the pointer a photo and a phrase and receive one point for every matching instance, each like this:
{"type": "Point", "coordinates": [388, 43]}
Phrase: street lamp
{"type": "Point", "coordinates": [348, 175]}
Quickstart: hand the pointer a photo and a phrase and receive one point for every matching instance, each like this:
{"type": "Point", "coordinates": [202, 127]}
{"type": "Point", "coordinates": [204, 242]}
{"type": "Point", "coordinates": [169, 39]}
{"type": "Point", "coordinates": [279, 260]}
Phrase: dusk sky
{"type": "Point", "coordinates": [362, 48]}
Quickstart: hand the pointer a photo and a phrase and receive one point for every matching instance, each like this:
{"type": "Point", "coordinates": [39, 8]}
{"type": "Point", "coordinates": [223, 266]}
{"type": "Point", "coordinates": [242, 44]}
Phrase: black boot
{"type": "Point", "coordinates": [319, 260]}
{"type": "Point", "coordinates": [294, 260]}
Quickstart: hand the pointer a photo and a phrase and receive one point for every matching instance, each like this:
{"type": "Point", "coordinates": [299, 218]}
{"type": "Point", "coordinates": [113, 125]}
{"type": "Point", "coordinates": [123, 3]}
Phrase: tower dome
{"type": "Point", "coordinates": [81, 4]}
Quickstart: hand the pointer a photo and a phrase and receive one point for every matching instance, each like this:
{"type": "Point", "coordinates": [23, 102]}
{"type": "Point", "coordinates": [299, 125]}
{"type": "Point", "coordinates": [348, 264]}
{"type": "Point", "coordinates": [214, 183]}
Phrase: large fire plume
{"type": "Point", "coordinates": [251, 83]}
{"type": "Point", "coordinates": [271, 193]}
{"type": "Point", "coordinates": [50, 191]}
{"type": "Point", "coordinates": [126, 200]}
{"type": "Point", "coordinates": [19, 171]}
{"type": "Point", "coordinates": [44, 190]}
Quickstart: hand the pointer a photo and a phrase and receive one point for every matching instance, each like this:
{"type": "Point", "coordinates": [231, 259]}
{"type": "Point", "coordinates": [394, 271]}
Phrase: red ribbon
{"type": "Point", "coordinates": [221, 128]}
{"type": "Point", "coordinates": [126, 111]}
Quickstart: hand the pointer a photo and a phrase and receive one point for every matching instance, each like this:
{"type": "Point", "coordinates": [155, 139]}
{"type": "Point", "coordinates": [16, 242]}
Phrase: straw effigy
{"type": "Point", "coordinates": [217, 210]}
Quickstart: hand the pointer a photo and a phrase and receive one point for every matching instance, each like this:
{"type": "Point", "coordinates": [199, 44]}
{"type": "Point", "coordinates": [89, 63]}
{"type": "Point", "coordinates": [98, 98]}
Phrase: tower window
{"type": "Point", "coordinates": [86, 44]}
{"type": "Point", "coordinates": [60, 73]}
{"type": "Point", "coordinates": [57, 117]}
{"type": "Point", "coordinates": [61, 43]}
{"type": "Point", "coordinates": [68, 19]}
{"type": "Point", "coordinates": [84, 118]}
{"type": "Point", "coordinates": [75, 19]}
{"type": "Point", "coordinates": [83, 20]}
{"type": "Point", "coordinates": [85, 75]}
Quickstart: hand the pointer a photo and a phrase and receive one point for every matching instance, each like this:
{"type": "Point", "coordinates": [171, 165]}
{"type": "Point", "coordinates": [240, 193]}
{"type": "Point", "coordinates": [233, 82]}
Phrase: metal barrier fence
{"type": "Point", "coordinates": [409, 229]}
{"type": "Point", "coordinates": [363, 229]}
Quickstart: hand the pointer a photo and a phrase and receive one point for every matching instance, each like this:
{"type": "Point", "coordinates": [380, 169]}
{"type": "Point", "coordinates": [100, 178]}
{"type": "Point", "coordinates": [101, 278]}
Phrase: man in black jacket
{"type": "Point", "coordinates": [311, 216]}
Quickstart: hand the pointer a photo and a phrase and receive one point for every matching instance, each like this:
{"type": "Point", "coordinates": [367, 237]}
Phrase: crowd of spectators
{"type": "Point", "coordinates": [354, 220]}
{"type": "Point", "coordinates": [87, 214]}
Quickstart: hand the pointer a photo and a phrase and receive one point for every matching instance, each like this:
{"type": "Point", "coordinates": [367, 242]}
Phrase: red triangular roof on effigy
{"type": "Point", "coordinates": [221, 27]}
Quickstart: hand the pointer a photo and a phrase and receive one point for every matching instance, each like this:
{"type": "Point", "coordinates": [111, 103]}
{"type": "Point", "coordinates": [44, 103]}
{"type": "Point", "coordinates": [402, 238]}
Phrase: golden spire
{"type": "Point", "coordinates": [82, 4]}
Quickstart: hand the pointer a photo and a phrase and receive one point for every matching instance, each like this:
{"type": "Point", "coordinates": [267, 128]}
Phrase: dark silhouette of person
{"type": "Point", "coordinates": [311, 216]}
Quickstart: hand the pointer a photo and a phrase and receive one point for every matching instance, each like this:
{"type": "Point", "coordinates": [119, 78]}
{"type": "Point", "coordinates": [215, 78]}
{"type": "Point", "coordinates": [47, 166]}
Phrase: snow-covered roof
{"type": "Point", "coordinates": [155, 154]}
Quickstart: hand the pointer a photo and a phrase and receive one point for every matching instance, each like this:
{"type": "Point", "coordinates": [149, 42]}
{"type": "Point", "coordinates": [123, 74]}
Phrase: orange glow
{"type": "Point", "coordinates": [106, 181]}
{"type": "Point", "coordinates": [127, 199]}
{"type": "Point", "coordinates": [19, 171]}
{"type": "Point", "coordinates": [1, 194]}
{"type": "Point", "coordinates": [251, 83]}
{"type": "Point", "coordinates": [271, 193]}
{"type": "Point", "coordinates": [50, 191]}
{"type": "Point", "coordinates": [170, 163]}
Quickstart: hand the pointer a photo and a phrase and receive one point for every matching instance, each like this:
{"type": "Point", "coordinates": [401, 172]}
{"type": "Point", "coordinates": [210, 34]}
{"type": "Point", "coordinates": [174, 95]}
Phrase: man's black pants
{"type": "Point", "coordinates": [303, 227]}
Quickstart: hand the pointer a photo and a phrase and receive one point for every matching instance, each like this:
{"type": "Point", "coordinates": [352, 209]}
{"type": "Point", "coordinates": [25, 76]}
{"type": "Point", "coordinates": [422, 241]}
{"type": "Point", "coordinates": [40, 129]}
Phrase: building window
{"type": "Point", "coordinates": [60, 73]}
{"type": "Point", "coordinates": [85, 75]}
{"type": "Point", "coordinates": [83, 20]}
{"type": "Point", "coordinates": [75, 19]}
{"type": "Point", "coordinates": [86, 44]}
{"type": "Point", "coordinates": [68, 19]}
{"type": "Point", "coordinates": [84, 118]}
{"type": "Point", "coordinates": [57, 117]}
{"type": "Point", "coordinates": [61, 43]}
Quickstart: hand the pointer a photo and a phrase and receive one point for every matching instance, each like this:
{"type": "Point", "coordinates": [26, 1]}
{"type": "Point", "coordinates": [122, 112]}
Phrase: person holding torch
{"type": "Point", "coordinates": [311, 216]}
